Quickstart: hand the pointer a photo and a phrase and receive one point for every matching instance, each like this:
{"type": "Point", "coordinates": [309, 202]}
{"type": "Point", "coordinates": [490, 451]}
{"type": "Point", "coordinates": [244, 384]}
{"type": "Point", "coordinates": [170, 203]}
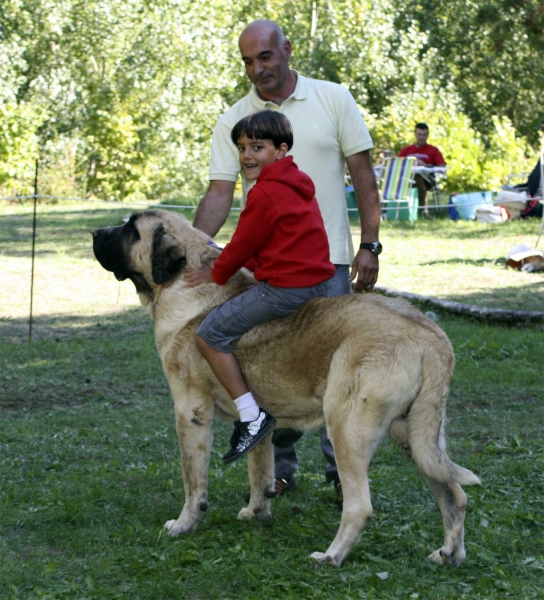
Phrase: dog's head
{"type": "Point", "coordinates": [152, 248]}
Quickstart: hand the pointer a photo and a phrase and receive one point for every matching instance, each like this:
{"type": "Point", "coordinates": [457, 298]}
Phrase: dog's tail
{"type": "Point", "coordinates": [421, 432]}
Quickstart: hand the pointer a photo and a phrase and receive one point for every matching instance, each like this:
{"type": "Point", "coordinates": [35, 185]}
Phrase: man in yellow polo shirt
{"type": "Point", "coordinates": [328, 133]}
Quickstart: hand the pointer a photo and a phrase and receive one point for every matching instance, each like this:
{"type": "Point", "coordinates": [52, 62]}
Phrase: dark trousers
{"type": "Point", "coordinates": [286, 460]}
{"type": "Point", "coordinates": [285, 456]}
{"type": "Point", "coordinates": [424, 184]}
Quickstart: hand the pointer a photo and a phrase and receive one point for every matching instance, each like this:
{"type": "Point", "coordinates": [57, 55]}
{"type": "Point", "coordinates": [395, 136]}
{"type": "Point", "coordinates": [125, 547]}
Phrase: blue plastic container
{"type": "Point", "coordinates": [467, 204]}
{"type": "Point", "coordinates": [452, 213]}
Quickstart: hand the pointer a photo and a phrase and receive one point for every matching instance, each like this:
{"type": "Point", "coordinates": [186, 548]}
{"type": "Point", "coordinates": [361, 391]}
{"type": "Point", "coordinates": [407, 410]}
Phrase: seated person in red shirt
{"type": "Point", "coordinates": [281, 232]}
{"type": "Point", "coordinates": [428, 156]}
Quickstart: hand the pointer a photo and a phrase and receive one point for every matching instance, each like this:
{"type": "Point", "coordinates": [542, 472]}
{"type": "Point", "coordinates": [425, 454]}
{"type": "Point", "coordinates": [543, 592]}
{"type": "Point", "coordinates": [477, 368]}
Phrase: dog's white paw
{"type": "Point", "coordinates": [436, 557]}
{"type": "Point", "coordinates": [246, 513]}
{"type": "Point", "coordinates": [323, 558]}
{"type": "Point", "coordinates": [443, 557]}
{"type": "Point", "coordinates": [170, 527]}
{"type": "Point", "coordinates": [253, 513]}
{"type": "Point", "coordinates": [174, 527]}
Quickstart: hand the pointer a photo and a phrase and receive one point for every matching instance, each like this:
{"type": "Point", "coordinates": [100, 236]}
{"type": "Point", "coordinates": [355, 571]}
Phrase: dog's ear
{"type": "Point", "coordinates": [167, 257]}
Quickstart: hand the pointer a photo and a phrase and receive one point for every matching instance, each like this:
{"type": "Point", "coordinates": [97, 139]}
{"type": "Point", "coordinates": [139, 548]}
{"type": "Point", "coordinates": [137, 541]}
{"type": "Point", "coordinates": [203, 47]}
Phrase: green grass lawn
{"type": "Point", "coordinates": [89, 464]}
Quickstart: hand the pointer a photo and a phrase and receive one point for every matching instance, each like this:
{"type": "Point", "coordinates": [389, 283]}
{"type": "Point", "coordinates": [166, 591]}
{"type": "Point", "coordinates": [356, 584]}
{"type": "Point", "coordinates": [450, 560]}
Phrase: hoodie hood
{"type": "Point", "coordinates": [285, 172]}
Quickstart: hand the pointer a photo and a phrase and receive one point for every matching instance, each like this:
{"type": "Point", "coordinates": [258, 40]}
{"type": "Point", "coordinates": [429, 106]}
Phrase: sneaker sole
{"type": "Point", "coordinates": [258, 439]}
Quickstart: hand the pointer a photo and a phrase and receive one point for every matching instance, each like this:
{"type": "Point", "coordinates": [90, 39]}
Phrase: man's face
{"type": "Point", "coordinates": [266, 61]}
{"type": "Point", "coordinates": [421, 136]}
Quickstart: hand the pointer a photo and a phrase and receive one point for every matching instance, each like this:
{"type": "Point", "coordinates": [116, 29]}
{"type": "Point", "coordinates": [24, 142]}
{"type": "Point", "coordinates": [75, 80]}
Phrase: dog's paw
{"type": "Point", "coordinates": [176, 527]}
{"type": "Point", "coordinates": [247, 513]}
{"type": "Point", "coordinates": [436, 557]}
{"type": "Point", "coordinates": [444, 557]}
{"type": "Point", "coordinates": [254, 512]}
{"type": "Point", "coordinates": [325, 559]}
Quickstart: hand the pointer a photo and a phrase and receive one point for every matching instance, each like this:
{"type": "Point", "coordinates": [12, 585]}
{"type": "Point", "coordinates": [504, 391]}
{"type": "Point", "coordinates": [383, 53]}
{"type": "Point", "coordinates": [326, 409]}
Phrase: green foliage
{"type": "Point", "coordinates": [119, 99]}
{"type": "Point", "coordinates": [18, 146]}
{"type": "Point", "coordinates": [506, 153]}
{"type": "Point", "coordinates": [492, 53]}
{"type": "Point", "coordinates": [352, 42]}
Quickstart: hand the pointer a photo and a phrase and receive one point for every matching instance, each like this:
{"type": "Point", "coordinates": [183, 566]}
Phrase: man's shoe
{"type": "Point", "coordinates": [248, 434]}
{"type": "Point", "coordinates": [338, 490]}
{"type": "Point", "coordinates": [280, 487]}
{"type": "Point", "coordinates": [285, 485]}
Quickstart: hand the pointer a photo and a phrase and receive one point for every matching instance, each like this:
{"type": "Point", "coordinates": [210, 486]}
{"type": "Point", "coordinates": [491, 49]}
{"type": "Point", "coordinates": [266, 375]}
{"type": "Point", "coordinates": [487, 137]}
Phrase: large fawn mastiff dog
{"type": "Point", "coordinates": [362, 364]}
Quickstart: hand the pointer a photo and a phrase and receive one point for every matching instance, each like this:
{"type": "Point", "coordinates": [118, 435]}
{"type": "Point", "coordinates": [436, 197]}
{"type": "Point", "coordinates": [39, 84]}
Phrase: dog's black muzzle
{"type": "Point", "coordinates": [109, 248]}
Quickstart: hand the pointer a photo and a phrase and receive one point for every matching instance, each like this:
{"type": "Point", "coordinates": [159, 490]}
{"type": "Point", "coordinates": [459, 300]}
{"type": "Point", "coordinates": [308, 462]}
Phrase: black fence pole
{"type": "Point", "coordinates": [33, 251]}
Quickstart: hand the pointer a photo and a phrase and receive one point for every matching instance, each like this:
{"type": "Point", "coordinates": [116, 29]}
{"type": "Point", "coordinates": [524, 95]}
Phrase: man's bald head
{"type": "Point", "coordinates": [263, 28]}
{"type": "Point", "coordinates": [266, 54]}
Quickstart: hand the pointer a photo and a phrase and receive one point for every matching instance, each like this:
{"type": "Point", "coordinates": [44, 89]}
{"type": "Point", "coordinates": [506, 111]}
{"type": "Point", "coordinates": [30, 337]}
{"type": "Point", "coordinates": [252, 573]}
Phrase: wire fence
{"type": "Point", "coordinates": [156, 203]}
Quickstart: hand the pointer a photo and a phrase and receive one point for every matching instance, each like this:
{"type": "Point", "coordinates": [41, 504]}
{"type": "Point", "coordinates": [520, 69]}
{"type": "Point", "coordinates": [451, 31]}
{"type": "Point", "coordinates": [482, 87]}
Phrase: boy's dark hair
{"type": "Point", "coordinates": [264, 125]}
{"type": "Point", "coordinates": [422, 126]}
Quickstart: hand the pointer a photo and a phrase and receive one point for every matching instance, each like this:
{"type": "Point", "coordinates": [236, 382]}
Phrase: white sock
{"type": "Point", "coordinates": [247, 407]}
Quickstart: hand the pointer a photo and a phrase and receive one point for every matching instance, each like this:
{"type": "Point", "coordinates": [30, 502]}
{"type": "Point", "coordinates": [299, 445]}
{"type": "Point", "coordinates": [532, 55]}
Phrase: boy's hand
{"type": "Point", "coordinates": [196, 277]}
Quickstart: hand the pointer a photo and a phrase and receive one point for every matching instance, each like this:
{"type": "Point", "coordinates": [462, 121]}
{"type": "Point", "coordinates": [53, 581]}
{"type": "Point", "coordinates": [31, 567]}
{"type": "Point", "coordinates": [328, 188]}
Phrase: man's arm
{"type": "Point", "coordinates": [438, 159]}
{"type": "Point", "coordinates": [213, 209]}
{"type": "Point", "coordinates": [365, 266]}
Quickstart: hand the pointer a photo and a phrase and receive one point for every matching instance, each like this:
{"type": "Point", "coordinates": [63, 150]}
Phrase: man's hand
{"type": "Point", "coordinates": [365, 267]}
{"type": "Point", "coordinates": [196, 277]}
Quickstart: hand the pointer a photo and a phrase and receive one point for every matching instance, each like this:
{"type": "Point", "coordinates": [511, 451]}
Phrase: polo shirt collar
{"type": "Point", "coordinates": [300, 93]}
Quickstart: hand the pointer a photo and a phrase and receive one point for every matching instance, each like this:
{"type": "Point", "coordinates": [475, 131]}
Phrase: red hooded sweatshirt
{"type": "Point", "coordinates": [280, 230]}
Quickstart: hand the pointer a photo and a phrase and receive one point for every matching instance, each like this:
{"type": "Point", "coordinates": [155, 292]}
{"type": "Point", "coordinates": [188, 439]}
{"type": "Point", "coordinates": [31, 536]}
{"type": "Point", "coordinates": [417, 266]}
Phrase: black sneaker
{"type": "Point", "coordinates": [248, 434]}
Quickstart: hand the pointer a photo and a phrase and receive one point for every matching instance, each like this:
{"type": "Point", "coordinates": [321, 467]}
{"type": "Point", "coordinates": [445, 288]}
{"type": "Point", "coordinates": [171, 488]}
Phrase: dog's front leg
{"type": "Point", "coordinates": [260, 463]}
{"type": "Point", "coordinates": [194, 423]}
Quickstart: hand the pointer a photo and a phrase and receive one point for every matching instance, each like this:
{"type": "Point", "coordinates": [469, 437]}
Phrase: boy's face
{"type": "Point", "coordinates": [256, 154]}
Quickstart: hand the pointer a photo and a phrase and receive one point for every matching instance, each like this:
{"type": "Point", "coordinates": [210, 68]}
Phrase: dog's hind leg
{"type": "Point", "coordinates": [260, 462]}
{"type": "Point", "coordinates": [355, 436]}
{"type": "Point", "coordinates": [452, 502]}
{"type": "Point", "coordinates": [194, 428]}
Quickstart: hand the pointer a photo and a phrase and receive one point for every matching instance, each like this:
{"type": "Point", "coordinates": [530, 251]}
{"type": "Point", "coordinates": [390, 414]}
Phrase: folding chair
{"type": "Point", "coordinates": [398, 201]}
{"type": "Point", "coordinates": [436, 180]}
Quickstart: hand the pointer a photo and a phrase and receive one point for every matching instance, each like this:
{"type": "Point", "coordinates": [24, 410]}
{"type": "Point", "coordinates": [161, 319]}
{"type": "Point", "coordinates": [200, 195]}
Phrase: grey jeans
{"type": "Point", "coordinates": [285, 456]}
{"type": "Point", "coordinates": [229, 321]}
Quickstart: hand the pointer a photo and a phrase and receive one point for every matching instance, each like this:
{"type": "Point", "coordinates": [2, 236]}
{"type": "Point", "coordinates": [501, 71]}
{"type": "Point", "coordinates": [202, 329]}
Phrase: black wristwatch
{"type": "Point", "coordinates": [374, 247]}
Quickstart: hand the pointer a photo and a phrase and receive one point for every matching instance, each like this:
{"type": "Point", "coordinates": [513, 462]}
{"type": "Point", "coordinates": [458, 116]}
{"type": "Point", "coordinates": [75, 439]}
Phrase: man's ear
{"type": "Point", "coordinates": [167, 257]}
{"type": "Point", "coordinates": [287, 49]}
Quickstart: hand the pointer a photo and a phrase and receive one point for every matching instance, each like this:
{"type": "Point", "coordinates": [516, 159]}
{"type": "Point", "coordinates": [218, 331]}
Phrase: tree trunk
{"type": "Point", "coordinates": [485, 314]}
